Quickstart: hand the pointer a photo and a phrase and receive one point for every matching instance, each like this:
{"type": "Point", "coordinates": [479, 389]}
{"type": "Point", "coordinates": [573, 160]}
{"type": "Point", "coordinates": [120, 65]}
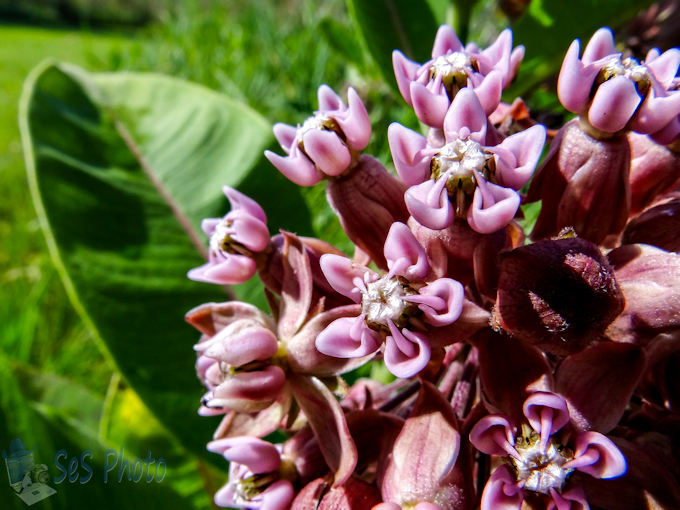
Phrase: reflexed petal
{"type": "Point", "coordinates": [327, 151]}
{"type": "Point", "coordinates": [614, 104]}
{"type": "Point", "coordinates": [489, 91]}
{"type": "Point", "coordinates": [357, 125]}
{"type": "Point", "coordinates": [329, 101]}
{"type": "Point", "coordinates": [656, 112]}
{"type": "Point", "coordinates": [445, 41]}
{"type": "Point", "coordinates": [249, 344]}
{"type": "Point", "coordinates": [665, 66]}
{"type": "Point", "coordinates": [208, 225]}
{"type": "Point", "coordinates": [601, 44]}
{"type": "Point", "coordinates": [257, 455]}
{"type": "Point", "coordinates": [499, 54]}
{"type": "Point", "coordinates": [241, 202]}
{"type": "Point", "coordinates": [263, 385]}
{"type": "Point", "coordinates": [406, 352]}
{"type": "Point", "coordinates": [248, 230]}
{"type": "Point", "coordinates": [495, 210]}
{"type": "Point", "coordinates": [501, 492]}
{"type": "Point", "coordinates": [405, 72]}
{"type": "Point", "coordinates": [278, 496]}
{"type": "Point", "coordinates": [494, 435]}
{"type": "Point", "coordinates": [404, 254]}
{"type": "Point", "coordinates": [597, 456]}
{"type": "Point", "coordinates": [527, 147]}
{"type": "Point", "coordinates": [575, 81]}
{"type": "Point", "coordinates": [441, 301]}
{"type": "Point", "coordinates": [336, 340]}
{"type": "Point", "coordinates": [341, 271]}
{"type": "Point", "coordinates": [298, 169]}
{"type": "Point", "coordinates": [285, 135]}
{"type": "Point", "coordinates": [572, 499]}
{"type": "Point", "coordinates": [430, 108]}
{"type": "Point", "coordinates": [406, 145]}
{"type": "Point", "coordinates": [466, 112]}
{"type": "Point", "coordinates": [547, 414]}
{"type": "Point", "coordinates": [235, 269]}
{"type": "Point", "coordinates": [435, 216]}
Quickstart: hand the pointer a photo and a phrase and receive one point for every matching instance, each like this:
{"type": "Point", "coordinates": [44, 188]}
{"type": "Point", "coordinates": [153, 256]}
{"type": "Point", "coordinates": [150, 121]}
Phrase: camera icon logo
{"type": "Point", "coordinates": [28, 479]}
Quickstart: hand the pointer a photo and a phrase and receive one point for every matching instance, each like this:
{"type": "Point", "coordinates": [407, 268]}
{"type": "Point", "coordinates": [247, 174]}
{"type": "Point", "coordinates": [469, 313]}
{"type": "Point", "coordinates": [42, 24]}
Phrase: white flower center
{"type": "Point", "coordinates": [458, 162]}
{"type": "Point", "coordinates": [220, 239]}
{"type": "Point", "coordinates": [541, 469]}
{"type": "Point", "coordinates": [453, 69]}
{"type": "Point", "coordinates": [384, 301]}
{"type": "Point", "coordinates": [319, 121]}
{"type": "Point", "coordinates": [629, 68]}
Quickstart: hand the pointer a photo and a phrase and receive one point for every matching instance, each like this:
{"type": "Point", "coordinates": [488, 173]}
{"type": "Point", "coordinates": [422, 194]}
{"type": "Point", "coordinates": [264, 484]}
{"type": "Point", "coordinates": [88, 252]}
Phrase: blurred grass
{"type": "Point", "coordinates": [39, 326]}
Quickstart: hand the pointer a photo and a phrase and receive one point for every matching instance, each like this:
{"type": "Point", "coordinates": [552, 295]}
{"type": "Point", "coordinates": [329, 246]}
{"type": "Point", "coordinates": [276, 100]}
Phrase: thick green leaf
{"type": "Point", "coordinates": [52, 413]}
{"type": "Point", "coordinates": [98, 150]}
{"type": "Point", "coordinates": [386, 25]}
{"type": "Point", "coordinates": [549, 26]}
{"type": "Point", "coordinates": [129, 422]}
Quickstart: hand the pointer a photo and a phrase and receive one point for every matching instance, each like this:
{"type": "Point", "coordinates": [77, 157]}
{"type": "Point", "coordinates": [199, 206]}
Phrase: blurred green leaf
{"type": "Point", "coordinates": [549, 26]}
{"type": "Point", "coordinates": [52, 413]}
{"type": "Point", "coordinates": [94, 144]}
{"type": "Point", "coordinates": [342, 40]}
{"type": "Point", "coordinates": [127, 421]}
{"type": "Point", "coordinates": [386, 25]}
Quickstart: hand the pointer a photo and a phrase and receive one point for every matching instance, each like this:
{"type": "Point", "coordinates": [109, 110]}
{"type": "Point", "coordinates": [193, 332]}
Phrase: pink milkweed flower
{"type": "Point", "coordinates": [258, 479]}
{"type": "Point", "coordinates": [613, 92]}
{"type": "Point", "coordinates": [429, 88]}
{"type": "Point", "coordinates": [326, 144]}
{"type": "Point", "coordinates": [398, 308]}
{"type": "Point", "coordinates": [465, 178]}
{"type": "Point", "coordinates": [539, 459]}
{"type": "Point", "coordinates": [233, 240]}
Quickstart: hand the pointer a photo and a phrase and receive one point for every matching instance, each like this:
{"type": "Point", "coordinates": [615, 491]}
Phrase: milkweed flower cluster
{"type": "Point", "coordinates": [534, 373]}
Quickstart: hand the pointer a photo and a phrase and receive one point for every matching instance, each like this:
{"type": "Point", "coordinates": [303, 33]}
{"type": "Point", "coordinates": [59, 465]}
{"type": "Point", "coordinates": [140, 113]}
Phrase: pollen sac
{"type": "Point", "coordinates": [541, 467]}
{"type": "Point", "coordinates": [384, 302]}
{"type": "Point", "coordinates": [559, 295]}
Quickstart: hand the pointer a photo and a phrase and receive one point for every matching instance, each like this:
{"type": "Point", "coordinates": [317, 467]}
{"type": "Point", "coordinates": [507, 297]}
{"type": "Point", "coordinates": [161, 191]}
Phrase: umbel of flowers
{"type": "Point", "coordinates": [529, 374]}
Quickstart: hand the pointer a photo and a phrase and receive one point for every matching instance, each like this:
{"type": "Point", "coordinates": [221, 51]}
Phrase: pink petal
{"type": "Point", "coordinates": [441, 301]}
{"type": "Point", "coordinates": [527, 147]}
{"type": "Point", "coordinates": [572, 499]}
{"type": "Point", "coordinates": [406, 352]}
{"type": "Point", "coordinates": [341, 273]}
{"type": "Point", "coordinates": [249, 344]}
{"type": "Point", "coordinates": [489, 91]}
{"type": "Point", "coordinates": [601, 44]}
{"type": "Point", "coordinates": [233, 270]}
{"type": "Point", "coordinates": [405, 72]}
{"type": "Point", "coordinates": [225, 497]}
{"type": "Point", "coordinates": [575, 81]}
{"type": "Point", "coordinates": [501, 492]}
{"type": "Point", "coordinates": [547, 413]}
{"type": "Point", "coordinates": [466, 112]}
{"type": "Point", "coordinates": [656, 112]}
{"type": "Point", "coordinates": [406, 145]}
{"type": "Point", "coordinates": [357, 125]}
{"type": "Point", "coordinates": [257, 455]}
{"type": "Point", "coordinates": [298, 169]}
{"type": "Point", "coordinates": [494, 211]}
{"type": "Point", "coordinates": [597, 456]}
{"type": "Point", "coordinates": [418, 199]}
{"type": "Point", "coordinates": [614, 104]}
{"type": "Point", "coordinates": [337, 339]}
{"type": "Point", "coordinates": [262, 385]}
{"type": "Point", "coordinates": [249, 231]}
{"type": "Point", "coordinates": [208, 225]}
{"type": "Point", "coordinates": [446, 41]}
{"type": "Point", "coordinates": [665, 66]}
{"type": "Point", "coordinates": [430, 108]}
{"type": "Point", "coordinates": [285, 135]}
{"type": "Point", "coordinates": [327, 151]}
{"type": "Point", "coordinates": [240, 202]}
{"type": "Point", "coordinates": [329, 101]}
{"type": "Point", "coordinates": [404, 254]}
{"type": "Point", "coordinates": [499, 54]}
{"type": "Point", "coordinates": [494, 435]}
{"type": "Point", "coordinates": [278, 496]}
{"type": "Point", "coordinates": [515, 61]}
